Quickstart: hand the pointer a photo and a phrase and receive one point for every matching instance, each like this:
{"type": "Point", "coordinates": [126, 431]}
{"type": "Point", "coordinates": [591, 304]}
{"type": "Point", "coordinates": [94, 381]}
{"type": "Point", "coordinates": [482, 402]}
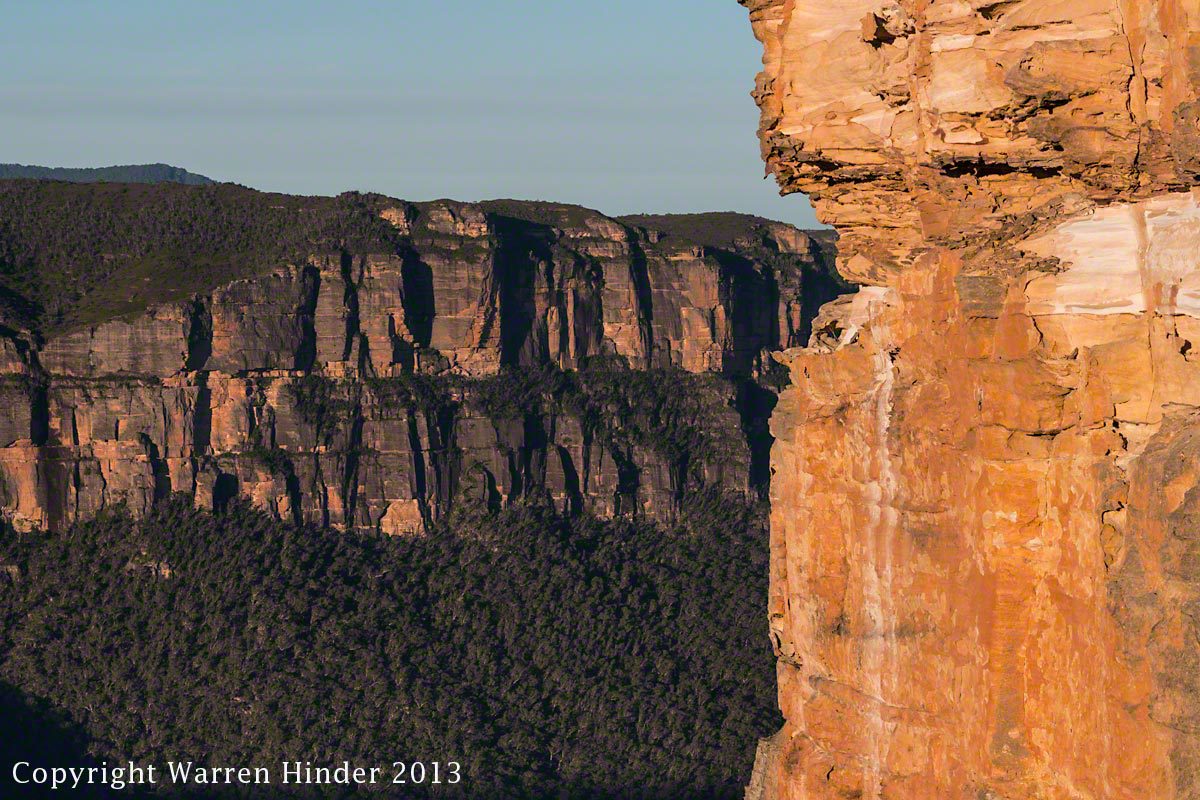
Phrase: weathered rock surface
{"type": "Point", "coordinates": [986, 470]}
{"type": "Point", "coordinates": [376, 389]}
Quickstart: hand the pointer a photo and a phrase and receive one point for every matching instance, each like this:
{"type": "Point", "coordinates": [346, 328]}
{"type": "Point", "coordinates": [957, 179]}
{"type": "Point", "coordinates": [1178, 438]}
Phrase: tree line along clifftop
{"type": "Point", "coordinates": [332, 358]}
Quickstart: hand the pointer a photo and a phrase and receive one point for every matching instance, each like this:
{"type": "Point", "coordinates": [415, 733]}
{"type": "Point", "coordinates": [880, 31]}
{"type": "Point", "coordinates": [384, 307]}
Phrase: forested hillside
{"type": "Point", "coordinates": [551, 657]}
{"type": "Point", "coordinates": [73, 254]}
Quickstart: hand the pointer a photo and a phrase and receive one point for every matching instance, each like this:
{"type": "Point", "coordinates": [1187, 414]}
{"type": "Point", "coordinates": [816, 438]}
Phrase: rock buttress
{"type": "Point", "coordinates": [987, 469]}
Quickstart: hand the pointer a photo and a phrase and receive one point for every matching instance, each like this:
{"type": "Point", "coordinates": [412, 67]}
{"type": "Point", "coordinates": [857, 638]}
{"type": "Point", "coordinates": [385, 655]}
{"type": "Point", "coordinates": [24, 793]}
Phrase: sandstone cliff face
{"type": "Point", "coordinates": [376, 389]}
{"type": "Point", "coordinates": [986, 472]}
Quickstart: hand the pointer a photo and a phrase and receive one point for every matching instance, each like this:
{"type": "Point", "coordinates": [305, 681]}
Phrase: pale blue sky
{"type": "Point", "coordinates": [620, 105]}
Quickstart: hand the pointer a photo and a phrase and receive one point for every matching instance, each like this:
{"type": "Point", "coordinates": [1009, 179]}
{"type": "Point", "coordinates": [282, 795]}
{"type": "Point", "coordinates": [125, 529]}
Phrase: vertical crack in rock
{"type": "Point", "coordinates": [306, 315]}
{"type": "Point", "coordinates": [1137, 82]}
{"type": "Point", "coordinates": [879, 613]}
{"type": "Point", "coordinates": [520, 249]}
{"type": "Point", "coordinates": [199, 334]}
{"type": "Point", "coordinates": [350, 465]}
{"type": "Point", "coordinates": [161, 475]}
{"type": "Point", "coordinates": [420, 480]}
{"type": "Point", "coordinates": [350, 302]}
{"type": "Point", "coordinates": [202, 417]}
{"type": "Point", "coordinates": [39, 412]}
{"type": "Point", "coordinates": [417, 277]}
{"type": "Point", "coordinates": [445, 455]}
{"type": "Point", "coordinates": [640, 278]}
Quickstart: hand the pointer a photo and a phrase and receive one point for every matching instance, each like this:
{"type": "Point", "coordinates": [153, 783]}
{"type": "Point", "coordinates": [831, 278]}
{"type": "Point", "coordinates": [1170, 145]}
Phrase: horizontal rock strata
{"type": "Point", "coordinates": [986, 470]}
{"type": "Point", "coordinates": [374, 388]}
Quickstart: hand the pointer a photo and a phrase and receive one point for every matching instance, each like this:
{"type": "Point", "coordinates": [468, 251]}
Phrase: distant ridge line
{"type": "Point", "coordinates": [127, 173]}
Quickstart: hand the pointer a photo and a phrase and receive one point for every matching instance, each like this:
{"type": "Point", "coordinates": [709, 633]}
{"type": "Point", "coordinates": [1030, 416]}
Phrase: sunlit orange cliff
{"type": "Point", "coordinates": [986, 488]}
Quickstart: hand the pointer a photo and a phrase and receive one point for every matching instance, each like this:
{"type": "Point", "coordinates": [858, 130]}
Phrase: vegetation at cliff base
{"type": "Point", "coordinates": [551, 657]}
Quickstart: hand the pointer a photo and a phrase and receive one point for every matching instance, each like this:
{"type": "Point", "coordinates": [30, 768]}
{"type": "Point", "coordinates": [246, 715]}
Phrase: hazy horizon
{"type": "Point", "coordinates": [626, 108]}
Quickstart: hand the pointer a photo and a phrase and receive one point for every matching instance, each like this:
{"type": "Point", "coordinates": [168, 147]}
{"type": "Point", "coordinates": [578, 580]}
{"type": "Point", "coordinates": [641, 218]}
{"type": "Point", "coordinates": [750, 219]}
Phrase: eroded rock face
{"type": "Point", "coordinates": [985, 471]}
{"type": "Point", "coordinates": [374, 390]}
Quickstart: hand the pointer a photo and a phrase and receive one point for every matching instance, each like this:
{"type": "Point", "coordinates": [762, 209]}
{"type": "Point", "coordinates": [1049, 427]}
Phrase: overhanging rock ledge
{"type": "Point", "coordinates": [986, 493]}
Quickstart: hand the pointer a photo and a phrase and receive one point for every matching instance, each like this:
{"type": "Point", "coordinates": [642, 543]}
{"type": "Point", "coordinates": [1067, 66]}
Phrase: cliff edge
{"type": "Point", "coordinates": [987, 469]}
{"type": "Point", "coordinates": [368, 363]}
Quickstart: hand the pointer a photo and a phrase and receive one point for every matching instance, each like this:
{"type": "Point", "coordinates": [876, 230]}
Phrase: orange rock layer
{"type": "Point", "coordinates": [345, 389]}
{"type": "Point", "coordinates": [986, 479]}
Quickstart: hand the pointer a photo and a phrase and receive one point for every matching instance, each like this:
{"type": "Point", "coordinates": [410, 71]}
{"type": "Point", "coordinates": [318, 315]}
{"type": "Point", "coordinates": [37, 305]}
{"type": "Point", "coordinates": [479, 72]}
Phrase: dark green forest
{"type": "Point", "coordinates": [550, 656]}
{"type": "Point", "coordinates": [76, 254]}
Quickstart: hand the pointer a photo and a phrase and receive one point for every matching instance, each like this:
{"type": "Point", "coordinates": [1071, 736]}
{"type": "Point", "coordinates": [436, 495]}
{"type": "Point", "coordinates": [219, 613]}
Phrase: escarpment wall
{"type": "Point", "coordinates": [374, 390]}
{"type": "Point", "coordinates": [987, 469]}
